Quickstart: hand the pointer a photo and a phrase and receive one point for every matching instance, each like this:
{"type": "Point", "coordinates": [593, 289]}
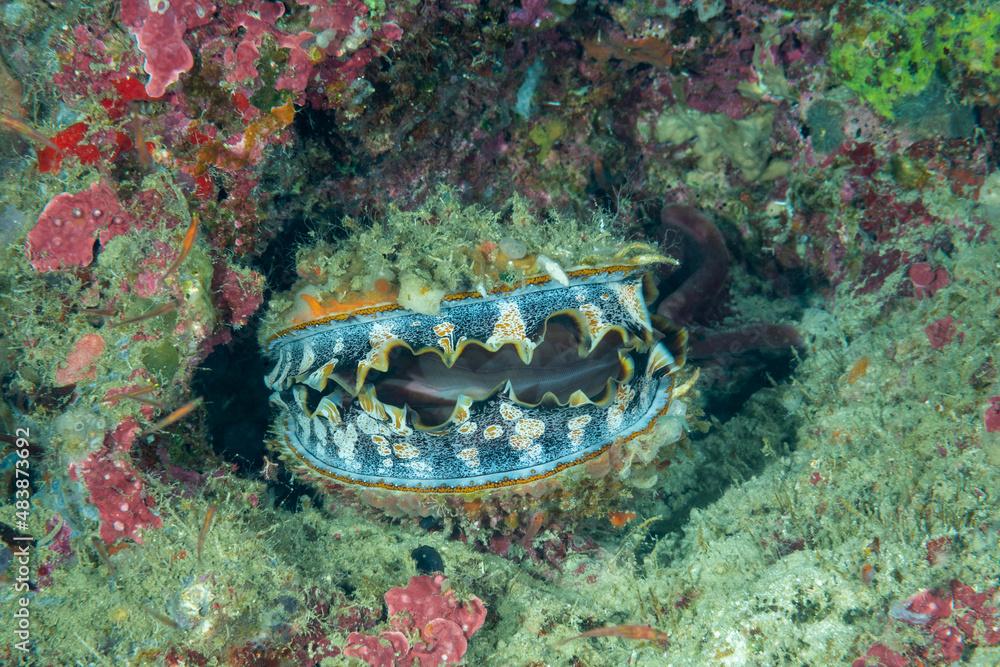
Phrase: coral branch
{"type": "Point", "coordinates": [708, 249]}
{"type": "Point", "coordinates": [759, 337]}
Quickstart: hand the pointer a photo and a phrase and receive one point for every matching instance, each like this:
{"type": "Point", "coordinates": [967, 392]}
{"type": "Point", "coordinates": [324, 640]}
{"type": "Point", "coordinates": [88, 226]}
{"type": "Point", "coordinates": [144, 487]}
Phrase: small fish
{"type": "Point", "coordinates": [98, 312]}
{"type": "Point", "coordinates": [858, 370]}
{"type": "Point", "coordinates": [137, 394]}
{"type": "Point", "coordinates": [148, 315]}
{"type": "Point", "coordinates": [534, 525]}
{"type": "Point", "coordinates": [141, 149]}
{"type": "Point", "coordinates": [133, 392]}
{"type": "Point", "coordinates": [186, 244]}
{"type": "Point", "coordinates": [102, 551]}
{"type": "Point", "coordinates": [639, 632]}
{"type": "Point", "coordinates": [175, 416]}
{"type": "Point", "coordinates": [159, 405]}
{"type": "Point", "coordinates": [162, 618]}
{"type": "Point", "coordinates": [205, 525]}
{"type": "Point", "coordinates": [25, 130]}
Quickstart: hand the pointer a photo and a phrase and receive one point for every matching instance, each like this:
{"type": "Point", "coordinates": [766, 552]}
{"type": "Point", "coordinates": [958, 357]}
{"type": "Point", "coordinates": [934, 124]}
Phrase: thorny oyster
{"type": "Point", "coordinates": [392, 382]}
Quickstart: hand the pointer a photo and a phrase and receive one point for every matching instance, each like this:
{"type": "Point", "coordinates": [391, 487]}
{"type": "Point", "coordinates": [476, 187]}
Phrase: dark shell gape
{"type": "Point", "coordinates": [560, 365]}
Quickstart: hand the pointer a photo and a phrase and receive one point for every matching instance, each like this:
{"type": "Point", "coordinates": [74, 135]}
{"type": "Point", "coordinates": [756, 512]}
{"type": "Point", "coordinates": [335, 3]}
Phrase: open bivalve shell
{"type": "Point", "coordinates": [499, 388]}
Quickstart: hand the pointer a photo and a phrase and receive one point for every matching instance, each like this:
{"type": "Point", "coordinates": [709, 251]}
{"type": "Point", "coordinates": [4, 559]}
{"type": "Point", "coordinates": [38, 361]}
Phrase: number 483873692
{"type": "Point", "coordinates": [22, 483]}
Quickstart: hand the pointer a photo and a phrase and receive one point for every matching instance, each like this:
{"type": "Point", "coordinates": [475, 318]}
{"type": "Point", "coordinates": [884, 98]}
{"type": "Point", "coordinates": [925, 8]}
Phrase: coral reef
{"type": "Point", "coordinates": [825, 173]}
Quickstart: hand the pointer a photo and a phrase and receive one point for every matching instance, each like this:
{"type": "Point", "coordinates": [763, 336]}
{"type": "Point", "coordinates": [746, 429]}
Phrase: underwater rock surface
{"type": "Point", "coordinates": [180, 181]}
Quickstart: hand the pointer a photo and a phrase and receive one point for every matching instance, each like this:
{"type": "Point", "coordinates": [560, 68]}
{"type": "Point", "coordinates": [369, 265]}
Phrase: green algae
{"type": "Point", "coordinates": [826, 125]}
{"type": "Point", "coordinates": [762, 530]}
{"type": "Point", "coordinates": [545, 134]}
{"type": "Point", "coordinates": [261, 569]}
{"type": "Point", "coordinates": [853, 473]}
{"type": "Point", "coordinates": [886, 54]}
{"type": "Point", "coordinates": [161, 360]}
